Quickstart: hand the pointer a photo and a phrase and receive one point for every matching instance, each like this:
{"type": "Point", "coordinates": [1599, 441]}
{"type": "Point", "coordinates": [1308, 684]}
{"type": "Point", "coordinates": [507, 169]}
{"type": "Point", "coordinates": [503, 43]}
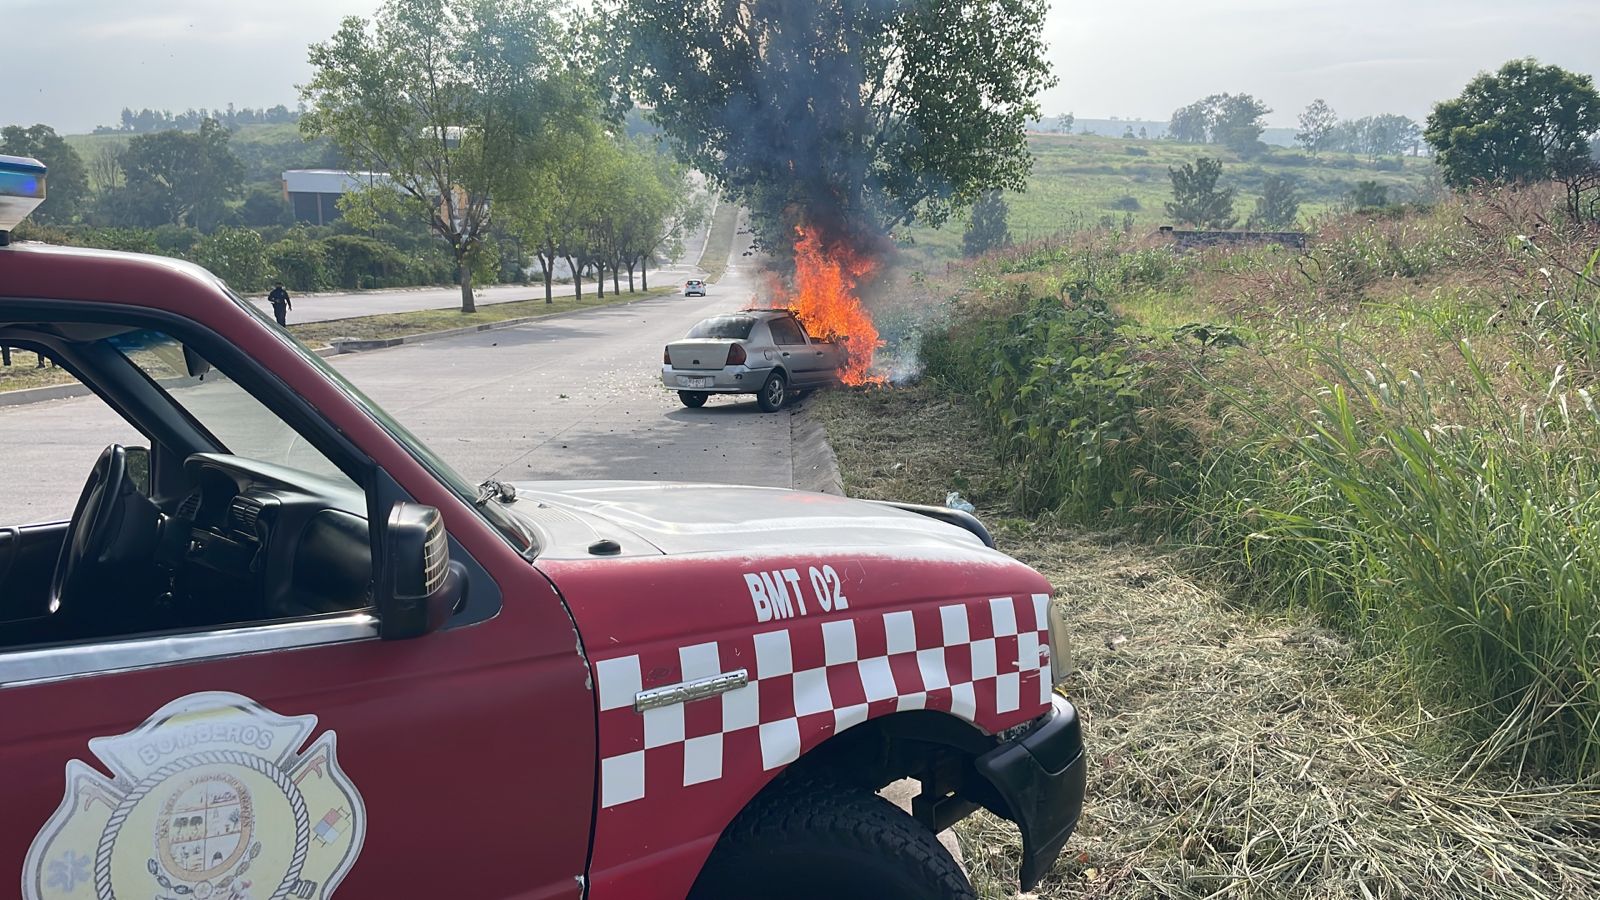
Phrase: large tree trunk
{"type": "Point", "coordinates": [546, 264]}
{"type": "Point", "coordinates": [616, 279]}
{"type": "Point", "coordinates": [577, 278]}
{"type": "Point", "coordinates": [631, 264]}
{"type": "Point", "coordinates": [644, 277]}
{"type": "Point", "coordinates": [465, 271]}
{"type": "Point", "coordinates": [600, 280]}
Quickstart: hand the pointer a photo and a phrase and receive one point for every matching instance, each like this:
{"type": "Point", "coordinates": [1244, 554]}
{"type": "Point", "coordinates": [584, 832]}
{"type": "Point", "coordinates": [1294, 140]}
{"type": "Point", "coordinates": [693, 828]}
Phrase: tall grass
{"type": "Point", "coordinates": [1394, 446]}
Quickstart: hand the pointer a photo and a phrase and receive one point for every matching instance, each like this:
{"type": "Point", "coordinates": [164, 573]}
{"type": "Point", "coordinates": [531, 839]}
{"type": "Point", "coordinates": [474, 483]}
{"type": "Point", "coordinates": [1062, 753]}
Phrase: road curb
{"type": "Point", "coordinates": [41, 394]}
{"type": "Point", "coordinates": [814, 466]}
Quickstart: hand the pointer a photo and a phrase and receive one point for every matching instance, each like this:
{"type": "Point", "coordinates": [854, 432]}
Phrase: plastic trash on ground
{"type": "Point", "coordinates": [954, 501]}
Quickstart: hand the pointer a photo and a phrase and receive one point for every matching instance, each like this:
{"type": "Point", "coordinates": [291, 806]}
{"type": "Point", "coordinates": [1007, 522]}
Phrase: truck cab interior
{"type": "Point", "coordinates": [225, 514]}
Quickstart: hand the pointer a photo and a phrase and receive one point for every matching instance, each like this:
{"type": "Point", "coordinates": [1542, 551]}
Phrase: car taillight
{"type": "Point", "coordinates": [666, 356]}
{"type": "Point", "coordinates": [736, 355]}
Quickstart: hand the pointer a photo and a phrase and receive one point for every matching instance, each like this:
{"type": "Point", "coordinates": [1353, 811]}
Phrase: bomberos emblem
{"type": "Point", "coordinates": [210, 799]}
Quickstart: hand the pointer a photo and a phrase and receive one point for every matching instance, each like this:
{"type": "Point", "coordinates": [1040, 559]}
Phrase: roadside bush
{"type": "Point", "coordinates": [175, 240]}
{"type": "Point", "coordinates": [1126, 202]}
{"type": "Point", "coordinates": [355, 262]}
{"type": "Point", "coordinates": [236, 255]}
{"type": "Point", "coordinates": [298, 261]}
{"type": "Point", "coordinates": [1135, 151]}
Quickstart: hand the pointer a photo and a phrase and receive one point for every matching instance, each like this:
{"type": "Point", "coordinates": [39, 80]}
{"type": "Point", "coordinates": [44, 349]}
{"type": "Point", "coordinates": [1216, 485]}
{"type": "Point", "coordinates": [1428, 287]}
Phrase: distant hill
{"type": "Point", "coordinates": [265, 150]}
{"type": "Point", "coordinates": [1273, 137]}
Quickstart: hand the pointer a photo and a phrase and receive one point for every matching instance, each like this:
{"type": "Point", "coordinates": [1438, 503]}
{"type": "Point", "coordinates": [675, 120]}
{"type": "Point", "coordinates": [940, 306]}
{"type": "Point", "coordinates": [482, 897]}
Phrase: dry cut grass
{"type": "Point", "coordinates": [1233, 754]}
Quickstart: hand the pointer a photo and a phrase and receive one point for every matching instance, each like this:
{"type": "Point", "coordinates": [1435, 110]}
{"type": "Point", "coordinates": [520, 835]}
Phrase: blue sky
{"type": "Point", "coordinates": [76, 63]}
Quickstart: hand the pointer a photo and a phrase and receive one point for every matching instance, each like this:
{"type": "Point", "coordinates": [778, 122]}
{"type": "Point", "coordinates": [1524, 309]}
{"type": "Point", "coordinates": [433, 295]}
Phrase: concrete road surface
{"type": "Point", "coordinates": [573, 397]}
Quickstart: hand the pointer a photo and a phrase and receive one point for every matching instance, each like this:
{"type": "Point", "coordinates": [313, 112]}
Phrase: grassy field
{"type": "Point", "coordinates": [1234, 752]}
{"type": "Point", "coordinates": [246, 136]}
{"type": "Point", "coordinates": [1079, 180]}
{"type": "Point", "coordinates": [1393, 430]}
{"type": "Point", "coordinates": [720, 242]}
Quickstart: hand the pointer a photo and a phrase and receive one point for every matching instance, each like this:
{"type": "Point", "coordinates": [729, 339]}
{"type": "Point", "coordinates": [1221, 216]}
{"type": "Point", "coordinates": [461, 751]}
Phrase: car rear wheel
{"type": "Point", "coordinates": [773, 393]}
{"type": "Point", "coordinates": [693, 399]}
{"type": "Point", "coordinates": [817, 838]}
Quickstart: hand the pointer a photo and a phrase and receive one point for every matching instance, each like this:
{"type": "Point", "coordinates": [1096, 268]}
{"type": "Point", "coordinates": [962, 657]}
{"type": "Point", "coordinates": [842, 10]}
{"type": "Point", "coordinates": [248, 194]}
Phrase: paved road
{"type": "Point", "coordinates": [573, 397]}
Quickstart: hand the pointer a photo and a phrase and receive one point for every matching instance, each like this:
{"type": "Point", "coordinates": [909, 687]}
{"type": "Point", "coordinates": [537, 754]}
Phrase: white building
{"type": "Point", "coordinates": [314, 193]}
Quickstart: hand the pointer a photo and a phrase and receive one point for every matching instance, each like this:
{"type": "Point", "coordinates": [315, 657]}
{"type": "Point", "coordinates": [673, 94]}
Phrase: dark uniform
{"type": "Point", "coordinates": [279, 298]}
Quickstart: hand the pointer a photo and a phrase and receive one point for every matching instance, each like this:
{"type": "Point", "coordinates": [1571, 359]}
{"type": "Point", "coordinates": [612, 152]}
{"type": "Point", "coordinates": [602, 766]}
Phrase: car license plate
{"type": "Point", "coordinates": [685, 381]}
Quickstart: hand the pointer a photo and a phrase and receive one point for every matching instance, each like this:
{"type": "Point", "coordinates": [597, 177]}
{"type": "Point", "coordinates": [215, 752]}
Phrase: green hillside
{"type": "Point", "coordinates": [265, 150]}
{"type": "Point", "coordinates": [1079, 180]}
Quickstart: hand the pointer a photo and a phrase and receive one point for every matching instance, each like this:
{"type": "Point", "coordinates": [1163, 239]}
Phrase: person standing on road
{"type": "Point", "coordinates": [279, 298]}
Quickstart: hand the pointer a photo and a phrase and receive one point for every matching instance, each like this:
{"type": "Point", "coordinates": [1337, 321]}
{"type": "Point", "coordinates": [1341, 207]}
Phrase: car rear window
{"type": "Point", "coordinates": [724, 327]}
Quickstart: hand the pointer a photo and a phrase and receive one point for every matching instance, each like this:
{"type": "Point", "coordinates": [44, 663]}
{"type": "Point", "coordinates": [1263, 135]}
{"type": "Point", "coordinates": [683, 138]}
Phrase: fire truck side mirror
{"type": "Point", "coordinates": [419, 586]}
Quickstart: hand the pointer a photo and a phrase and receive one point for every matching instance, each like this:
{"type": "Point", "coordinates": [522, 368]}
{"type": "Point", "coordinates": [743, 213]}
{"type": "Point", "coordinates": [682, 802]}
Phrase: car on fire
{"type": "Point", "coordinates": [694, 287]}
{"type": "Point", "coordinates": [766, 352]}
{"type": "Point", "coordinates": [282, 646]}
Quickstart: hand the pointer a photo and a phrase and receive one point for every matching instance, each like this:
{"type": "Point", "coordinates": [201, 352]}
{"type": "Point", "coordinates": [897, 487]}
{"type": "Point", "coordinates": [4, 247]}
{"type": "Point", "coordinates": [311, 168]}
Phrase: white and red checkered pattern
{"type": "Point", "coordinates": [986, 661]}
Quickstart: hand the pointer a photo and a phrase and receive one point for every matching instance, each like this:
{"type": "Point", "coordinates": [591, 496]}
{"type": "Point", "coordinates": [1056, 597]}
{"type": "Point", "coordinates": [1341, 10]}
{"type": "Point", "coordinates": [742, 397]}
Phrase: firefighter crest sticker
{"type": "Point", "coordinates": [210, 799]}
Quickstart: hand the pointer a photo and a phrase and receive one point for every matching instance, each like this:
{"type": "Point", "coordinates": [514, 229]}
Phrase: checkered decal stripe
{"type": "Point", "coordinates": [985, 661]}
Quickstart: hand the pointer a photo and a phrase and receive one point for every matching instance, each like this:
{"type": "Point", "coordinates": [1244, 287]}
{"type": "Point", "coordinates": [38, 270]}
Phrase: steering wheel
{"type": "Point", "coordinates": [102, 532]}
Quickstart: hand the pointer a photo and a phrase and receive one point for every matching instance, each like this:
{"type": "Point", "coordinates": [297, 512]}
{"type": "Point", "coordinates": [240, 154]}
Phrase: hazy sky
{"type": "Point", "coordinates": [75, 63]}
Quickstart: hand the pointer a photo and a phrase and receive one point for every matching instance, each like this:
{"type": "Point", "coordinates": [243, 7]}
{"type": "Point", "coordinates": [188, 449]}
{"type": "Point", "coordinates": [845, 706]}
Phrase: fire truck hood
{"type": "Point", "coordinates": [574, 519]}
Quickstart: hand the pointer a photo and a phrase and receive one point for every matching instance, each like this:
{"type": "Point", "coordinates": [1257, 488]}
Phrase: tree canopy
{"type": "Point", "coordinates": [1278, 206]}
{"type": "Point", "coordinates": [1232, 120]}
{"type": "Point", "coordinates": [1196, 199]}
{"type": "Point", "coordinates": [68, 179]}
{"type": "Point", "coordinates": [1526, 122]}
{"type": "Point", "coordinates": [450, 98]}
{"type": "Point", "coordinates": [987, 229]}
{"type": "Point", "coordinates": [859, 115]}
{"type": "Point", "coordinates": [177, 178]}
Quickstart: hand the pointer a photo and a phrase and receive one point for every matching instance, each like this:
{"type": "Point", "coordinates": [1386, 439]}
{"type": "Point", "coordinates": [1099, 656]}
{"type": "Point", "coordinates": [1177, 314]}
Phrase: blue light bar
{"type": "Point", "coordinates": [21, 189]}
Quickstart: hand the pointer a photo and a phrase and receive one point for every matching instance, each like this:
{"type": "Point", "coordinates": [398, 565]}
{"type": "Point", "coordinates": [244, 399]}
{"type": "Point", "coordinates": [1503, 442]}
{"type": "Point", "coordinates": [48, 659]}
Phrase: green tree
{"type": "Point", "coordinates": [1196, 199]}
{"type": "Point", "coordinates": [1237, 123]}
{"type": "Point", "coordinates": [1369, 195]}
{"type": "Point", "coordinates": [67, 184]}
{"type": "Point", "coordinates": [860, 115]}
{"type": "Point", "coordinates": [185, 178]}
{"type": "Point", "coordinates": [1232, 120]}
{"type": "Point", "coordinates": [1278, 206]}
{"type": "Point", "coordinates": [987, 229]}
{"type": "Point", "coordinates": [236, 255]}
{"type": "Point", "coordinates": [263, 207]}
{"type": "Point", "coordinates": [1190, 124]}
{"type": "Point", "coordinates": [1526, 122]}
{"type": "Point", "coordinates": [545, 208]}
{"type": "Point", "coordinates": [1316, 125]}
{"type": "Point", "coordinates": [453, 99]}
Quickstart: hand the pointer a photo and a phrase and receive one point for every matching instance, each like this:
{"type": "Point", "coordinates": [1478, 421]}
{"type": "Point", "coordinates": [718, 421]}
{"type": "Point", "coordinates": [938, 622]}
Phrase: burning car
{"type": "Point", "coordinates": [765, 352]}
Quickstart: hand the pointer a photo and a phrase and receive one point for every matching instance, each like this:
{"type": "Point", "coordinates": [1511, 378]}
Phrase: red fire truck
{"type": "Point", "coordinates": [280, 650]}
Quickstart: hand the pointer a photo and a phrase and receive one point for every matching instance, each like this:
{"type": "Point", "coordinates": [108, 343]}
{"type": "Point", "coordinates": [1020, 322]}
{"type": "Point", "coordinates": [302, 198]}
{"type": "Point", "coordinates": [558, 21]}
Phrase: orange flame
{"type": "Point", "coordinates": [824, 297]}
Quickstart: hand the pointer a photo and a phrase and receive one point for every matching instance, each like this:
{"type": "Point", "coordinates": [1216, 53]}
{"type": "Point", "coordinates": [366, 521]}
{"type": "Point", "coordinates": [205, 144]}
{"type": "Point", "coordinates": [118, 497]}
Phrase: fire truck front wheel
{"type": "Point", "coordinates": [812, 839]}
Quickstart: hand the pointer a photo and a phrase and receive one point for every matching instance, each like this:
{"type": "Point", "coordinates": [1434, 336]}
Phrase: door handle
{"type": "Point", "coordinates": [819, 352]}
{"type": "Point", "coordinates": [785, 353]}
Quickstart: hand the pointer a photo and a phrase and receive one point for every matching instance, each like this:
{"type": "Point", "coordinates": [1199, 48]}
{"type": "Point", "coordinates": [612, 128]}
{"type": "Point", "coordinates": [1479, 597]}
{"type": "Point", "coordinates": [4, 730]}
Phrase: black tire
{"type": "Point", "coordinates": [820, 840]}
{"type": "Point", "coordinates": [693, 399]}
{"type": "Point", "coordinates": [774, 391]}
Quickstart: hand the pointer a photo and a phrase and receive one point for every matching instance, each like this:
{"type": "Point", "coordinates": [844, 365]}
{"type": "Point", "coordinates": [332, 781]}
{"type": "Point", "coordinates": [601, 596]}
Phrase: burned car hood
{"type": "Point", "coordinates": [577, 519]}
